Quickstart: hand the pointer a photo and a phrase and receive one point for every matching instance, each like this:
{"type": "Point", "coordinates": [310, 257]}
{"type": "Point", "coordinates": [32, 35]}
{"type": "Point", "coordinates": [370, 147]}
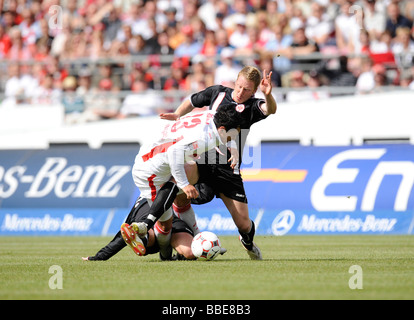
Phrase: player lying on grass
{"type": "Point", "coordinates": [166, 166]}
{"type": "Point", "coordinates": [216, 177]}
{"type": "Point", "coordinates": [181, 237]}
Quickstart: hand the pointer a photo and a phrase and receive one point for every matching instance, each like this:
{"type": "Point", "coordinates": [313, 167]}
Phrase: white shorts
{"type": "Point", "coordinates": [149, 176]}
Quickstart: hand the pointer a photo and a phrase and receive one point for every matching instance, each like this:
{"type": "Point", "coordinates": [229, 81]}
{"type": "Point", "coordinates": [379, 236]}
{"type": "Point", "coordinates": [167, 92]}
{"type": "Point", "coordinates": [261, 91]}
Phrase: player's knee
{"type": "Point", "coordinates": [244, 225]}
{"type": "Point", "coordinates": [165, 226]}
{"type": "Point", "coordinates": [181, 200]}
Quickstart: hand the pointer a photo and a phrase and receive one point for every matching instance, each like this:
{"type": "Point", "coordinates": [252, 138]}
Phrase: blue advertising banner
{"type": "Point", "coordinates": [291, 189]}
{"type": "Point", "coordinates": [67, 177]}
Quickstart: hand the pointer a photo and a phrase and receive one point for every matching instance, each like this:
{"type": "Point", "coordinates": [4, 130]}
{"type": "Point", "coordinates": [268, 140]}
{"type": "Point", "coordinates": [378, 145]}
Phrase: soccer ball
{"type": "Point", "coordinates": [206, 245]}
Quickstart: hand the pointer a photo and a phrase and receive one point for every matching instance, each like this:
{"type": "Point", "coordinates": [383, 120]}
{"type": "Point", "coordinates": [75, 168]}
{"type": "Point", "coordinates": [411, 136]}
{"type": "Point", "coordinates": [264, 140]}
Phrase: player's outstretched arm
{"type": "Point", "coordinates": [184, 108]}
{"type": "Point", "coordinates": [270, 106]}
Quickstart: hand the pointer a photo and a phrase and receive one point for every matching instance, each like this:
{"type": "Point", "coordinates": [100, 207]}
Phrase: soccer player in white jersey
{"type": "Point", "coordinates": [166, 166]}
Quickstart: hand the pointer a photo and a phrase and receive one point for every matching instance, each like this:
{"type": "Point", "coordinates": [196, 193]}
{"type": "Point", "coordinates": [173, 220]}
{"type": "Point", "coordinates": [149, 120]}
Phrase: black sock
{"type": "Point", "coordinates": [163, 201]}
{"type": "Point", "coordinates": [247, 238]}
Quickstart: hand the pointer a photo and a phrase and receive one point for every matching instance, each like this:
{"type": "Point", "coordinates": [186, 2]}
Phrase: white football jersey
{"type": "Point", "coordinates": [180, 142]}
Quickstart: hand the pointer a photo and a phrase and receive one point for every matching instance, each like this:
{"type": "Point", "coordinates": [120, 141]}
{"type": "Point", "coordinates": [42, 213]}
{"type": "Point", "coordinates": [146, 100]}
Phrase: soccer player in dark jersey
{"type": "Point", "coordinates": [216, 177]}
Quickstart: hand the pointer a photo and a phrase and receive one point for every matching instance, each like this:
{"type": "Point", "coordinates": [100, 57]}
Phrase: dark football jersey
{"type": "Point", "coordinates": [218, 95]}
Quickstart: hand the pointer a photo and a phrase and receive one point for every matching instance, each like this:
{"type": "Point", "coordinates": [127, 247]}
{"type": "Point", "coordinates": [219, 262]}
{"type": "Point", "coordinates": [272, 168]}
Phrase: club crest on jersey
{"type": "Point", "coordinates": [240, 107]}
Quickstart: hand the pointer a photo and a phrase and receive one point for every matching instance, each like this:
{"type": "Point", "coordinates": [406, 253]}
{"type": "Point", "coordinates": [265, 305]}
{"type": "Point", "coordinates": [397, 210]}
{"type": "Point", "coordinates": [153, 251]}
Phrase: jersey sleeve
{"type": "Point", "coordinates": [257, 112]}
{"type": "Point", "coordinates": [205, 97]}
{"type": "Point", "coordinates": [176, 160]}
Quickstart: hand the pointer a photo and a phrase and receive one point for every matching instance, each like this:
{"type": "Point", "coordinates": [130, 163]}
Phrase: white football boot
{"type": "Point", "coordinates": [255, 253]}
{"type": "Point", "coordinates": [140, 228]}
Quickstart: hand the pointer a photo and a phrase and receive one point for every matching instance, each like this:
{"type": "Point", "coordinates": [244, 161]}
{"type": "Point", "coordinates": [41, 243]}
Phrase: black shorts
{"type": "Point", "coordinates": [215, 179]}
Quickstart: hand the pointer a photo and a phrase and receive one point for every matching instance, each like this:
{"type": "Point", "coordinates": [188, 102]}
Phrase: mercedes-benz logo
{"type": "Point", "coordinates": [283, 222]}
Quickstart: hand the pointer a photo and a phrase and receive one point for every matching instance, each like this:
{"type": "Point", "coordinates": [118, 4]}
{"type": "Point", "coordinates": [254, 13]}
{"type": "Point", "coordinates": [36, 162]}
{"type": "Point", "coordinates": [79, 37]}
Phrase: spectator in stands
{"type": "Point", "coordinates": [84, 88]}
{"type": "Point", "coordinates": [199, 29]}
{"type": "Point", "coordinates": [239, 38]}
{"type": "Point", "coordinates": [263, 27]}
{"type": "Point", "coordinates": [408, 9]}
{"type": "Point", "coordinates": [18, 50]}
{"type": "Point", "coordinates": [346, 28]}
{"type": "Point", "coordinates": [106, 72]}
{"type": "Point", "coordinates": [142, 102]}
{"type": "Point", "coordinates": [279, 43]}
{"type": "Point", "coordinates": [31, 77]}
{"type": "Point", "coordinates": [254, 46]}
{"type": "Point", "coordinates": [170, 14]}
{"type": "Point", "coordinates": [138, 46]}
{"type": "Point", "coordinates": [8, 20]}
{"type": "Point", "coordinates": [155, 19]}
{"type": "Point", "coordinates": [219, 20]}
{"type": "Point", "coordinates": [162, 47]}
{"type": "Point", "coordinates": [300, 47]}
{"type": "Point", "coordinates": [366, 80]}
{"type": "Point", "coordinates": [266, 63]}
{"type": "Point", "coordinates": [29, 28]}
{"type": "Point", "coordinates": [190, 8]}
{"type": "Point", "coordinates": [199, 78]}
{"type": "Point", "coordinates": [105, 103]}
{"type": "Point", "coordinates": [237, 8]}
{"type": "Point", "coordinates": [380, 76]}
{"type": "Point", "coordinates": [319, 28]}
{"type": "Point", "coordinates": [222, 41]}
{"type": "Point", "coordinates": [296, 16]}
{"type": "Point", "coordinates": [73, 103]}
{"type": "Point", "coordinates": [374, 20]}
{"type": "Point", "coordinates": [340, 77]}
{"type": "Point", "coordinates": [209, 47]}
{"type": "Point", "coordinates": [403, 48]}
{"type": "Point", "coordinates": [96, 49]}
{"type": "Point", "coordinates": [363, 46]}
{"type": "Point", "coordinates": [383, 44]}
{"type": "Point", "coordinates": [314, 82]}
{"type": "Point", "coordinates": [176, 79]}
{"type": "Point", "coordinates": [297, 82]}
{"type": "Point", "coordinates": [190, 47]}
{"type": "Point", "coordinates": [58, 72]}
{"type": "Point", "coordinates": [13, 84]}
{"type": "Point", "coordinates": [396, 19]}
{"type": "Point", "coordinates": [226, 73]}
{"type": "Point", "coordinates": [47, 93]}
{"type": "Point", "coordinates": [406, 79]}
{"type": "Point", "coordinates": [112, 23]}
{"type": "Point", "coordinates": [44, 34]}
{"type": "Point", "coordinates": [208, 12]}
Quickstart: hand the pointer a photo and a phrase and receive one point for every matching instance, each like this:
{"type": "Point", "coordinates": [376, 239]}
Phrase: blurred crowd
{"type": "Point", "coordinates": [107, 59]}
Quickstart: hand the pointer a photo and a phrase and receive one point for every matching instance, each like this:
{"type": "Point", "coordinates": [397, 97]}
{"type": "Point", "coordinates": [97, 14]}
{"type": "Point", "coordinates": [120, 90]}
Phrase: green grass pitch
{"type": "Point", "coordinates": [294, 267]}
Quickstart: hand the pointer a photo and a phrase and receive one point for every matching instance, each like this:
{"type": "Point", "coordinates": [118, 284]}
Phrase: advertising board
{"type": "Point", "coordinates": [291, 189]}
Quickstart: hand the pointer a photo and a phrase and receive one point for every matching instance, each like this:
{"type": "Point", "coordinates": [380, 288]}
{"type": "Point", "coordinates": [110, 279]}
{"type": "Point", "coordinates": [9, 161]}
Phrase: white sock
{"type": "Point", "coordinates": [187, 214]}
{"type": "Point", "coordinates": [163, 239]}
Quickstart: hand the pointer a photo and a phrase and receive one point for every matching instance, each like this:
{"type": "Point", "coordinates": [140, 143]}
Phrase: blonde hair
{"type": "Point", "coordinates": [401, 31]}
{"type": "Point", "coordinates": [252, 74]}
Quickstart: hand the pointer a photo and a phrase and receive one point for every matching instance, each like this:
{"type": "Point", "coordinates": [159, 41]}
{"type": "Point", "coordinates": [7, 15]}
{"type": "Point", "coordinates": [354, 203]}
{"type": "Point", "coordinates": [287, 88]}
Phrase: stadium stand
{"type": "Point", "coordinates": [95, 57]}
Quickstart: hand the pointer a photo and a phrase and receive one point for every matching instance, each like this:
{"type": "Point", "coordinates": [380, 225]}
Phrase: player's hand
{"type": "Point", "coordinates": [266, 83]}
{"type": "Point", "coordinates": [234, 159]}
{"type": "Point", "coordinates": [191, 192]}
{"type": "Point", "coordinates": [169, 116]}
